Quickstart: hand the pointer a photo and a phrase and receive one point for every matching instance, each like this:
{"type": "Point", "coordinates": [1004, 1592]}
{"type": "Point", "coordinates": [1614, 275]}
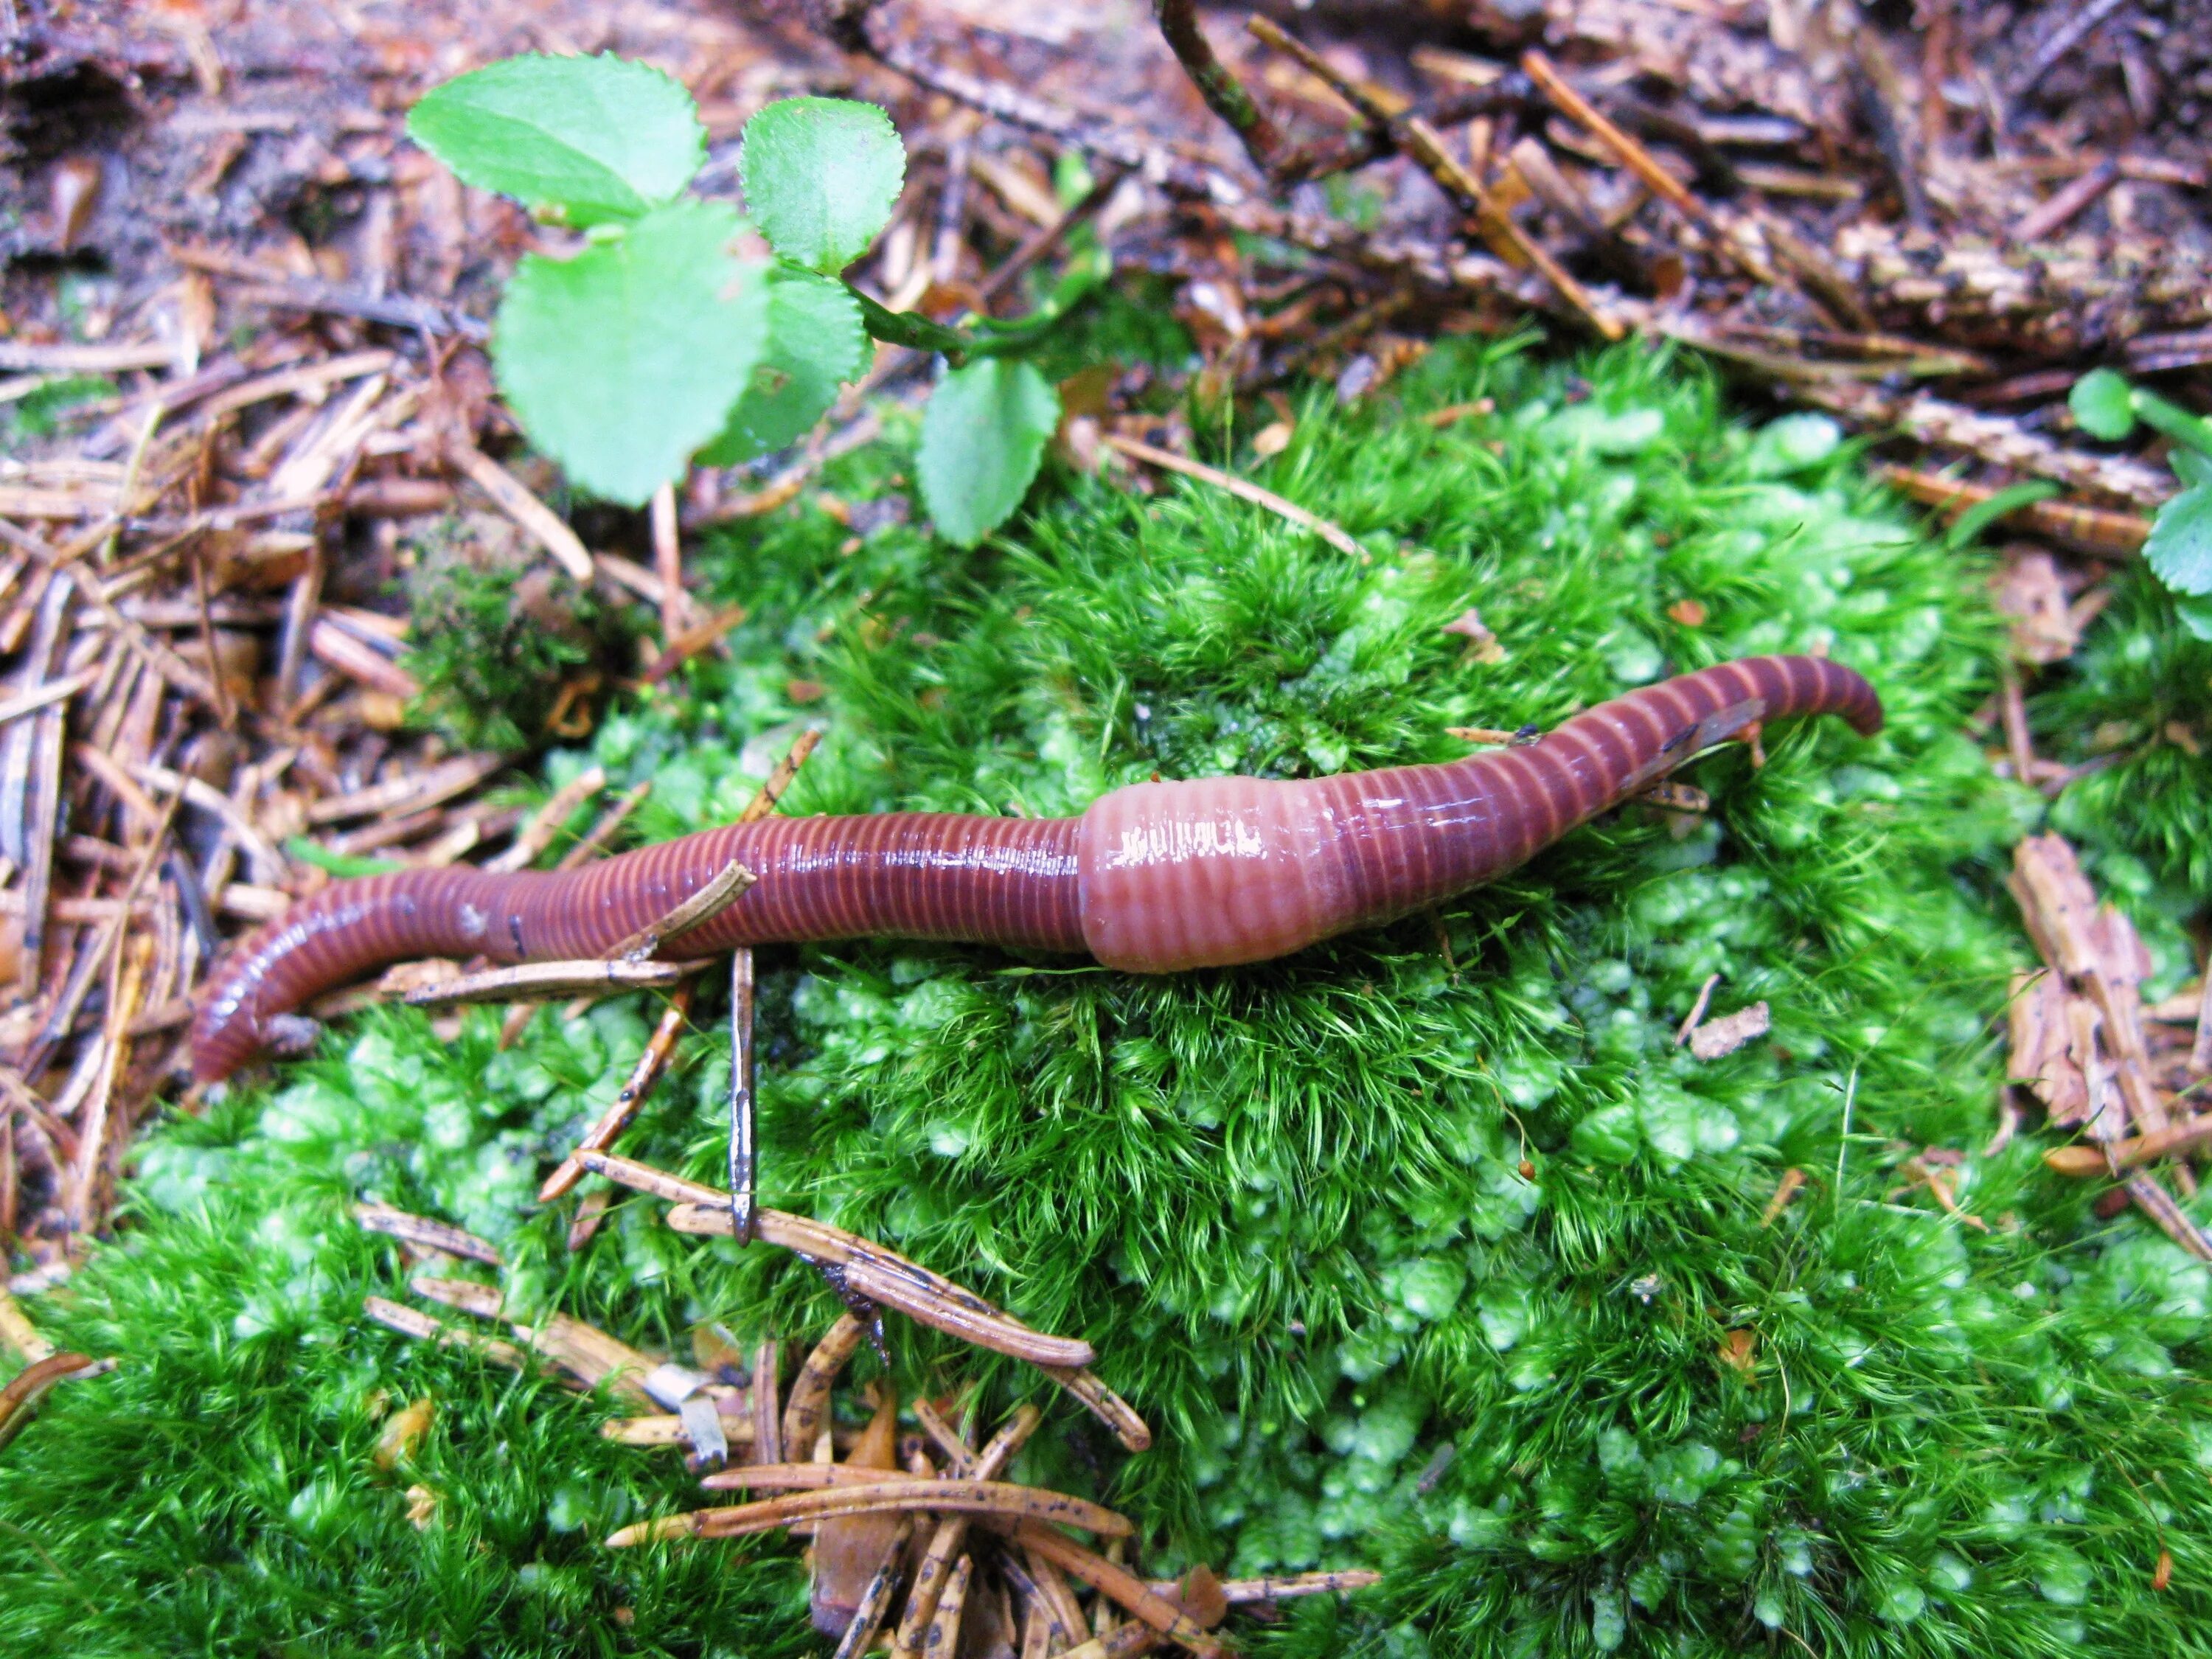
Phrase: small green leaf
{"type": "Point", "coordinates": [821, 176]}
{"type": "Point", "coordinates": [1792, 444]}
{"type": "Point", "coordinates": [2103, 404]}
{"type": "Point", "coordinates": [1611, 1134]}
{"type": "Point", "coordinates": [591, 139]}
{"type": "Point", "coordinates": [2190, 467]}
{"type": "Point", "coordinates": [1982, 514]}
{"type": "Point", "coordinates": [815, 344]}
{"type": "Point", "coordinates": [982, 436]}
{"type": "Point", "coordinates": [623, 360]}
{"type": "Point", "coordinates": [2180, 545]}
{"type": "Point", "coordinates": [298, 847]}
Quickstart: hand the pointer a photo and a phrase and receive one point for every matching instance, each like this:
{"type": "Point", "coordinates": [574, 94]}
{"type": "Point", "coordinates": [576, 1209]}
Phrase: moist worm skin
{"type": "Point", "coordinates": [1153, 878]}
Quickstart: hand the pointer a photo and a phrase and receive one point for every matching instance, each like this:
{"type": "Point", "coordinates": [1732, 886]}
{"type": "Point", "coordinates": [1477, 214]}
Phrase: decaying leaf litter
{"type": "Point", "coordinates": [205, 717]}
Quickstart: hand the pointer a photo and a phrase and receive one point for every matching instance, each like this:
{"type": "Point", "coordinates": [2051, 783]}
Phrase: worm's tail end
{"type": "Point", "coordinates": [1643, 736]}
{"type": "Point", "coordinates": [322, 942]}
{"type": "Point", "coordinates": [1414, 835]}
{"type": "Point", "coordinates": [1832, 688]}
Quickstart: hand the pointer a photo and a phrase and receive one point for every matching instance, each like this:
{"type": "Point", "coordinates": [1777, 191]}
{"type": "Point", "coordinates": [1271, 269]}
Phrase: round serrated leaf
{"type": "Point", "coordinates": [821, 176]}
{"type": "Point", "coordinates": [2196, 610]}
{"type": "Point", "coordinates": [622, 361]}
{"type": "Point", "coordinates": [2180, 545]}
{"type": "Point", "coordinates": [982, 436]}
{"type": "Point", "coordinates": [2103, 404]}
{"type": "Point", "coordinates": [815, 344]}
{"type": "Point", "coordinates": [593, 138]}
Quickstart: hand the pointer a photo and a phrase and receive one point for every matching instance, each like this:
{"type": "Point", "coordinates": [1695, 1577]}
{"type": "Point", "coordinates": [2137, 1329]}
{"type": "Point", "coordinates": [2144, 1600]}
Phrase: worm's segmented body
{"type": "Point", "coordinates": [1153, 878]}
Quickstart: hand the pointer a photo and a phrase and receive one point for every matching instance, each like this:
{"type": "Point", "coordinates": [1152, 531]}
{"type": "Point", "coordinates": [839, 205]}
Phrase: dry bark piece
{"type": "Point", "coordinates": [852, 1553]}
{"type": "Point", "coordinates": [2042, 1057]}
{"type": "Point", "coordinates": [1731, 1031]}
{"type": "Point", "coordinates": [2102, 962]}
{"type": "Point", "coordinates": [2029, 590]}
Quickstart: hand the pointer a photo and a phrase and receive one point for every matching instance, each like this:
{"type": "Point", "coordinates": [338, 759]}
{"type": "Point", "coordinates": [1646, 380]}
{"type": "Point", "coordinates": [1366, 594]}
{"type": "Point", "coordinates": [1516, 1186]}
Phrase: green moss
{"type": "Point", "coordinates": [39, 412]}
{"type": "Point", "coordinates": [1288, 1202]}
{"type": "Point", "coordinates": [499, 635]}
{"type": "Point", "coordinates": [2131, 704]}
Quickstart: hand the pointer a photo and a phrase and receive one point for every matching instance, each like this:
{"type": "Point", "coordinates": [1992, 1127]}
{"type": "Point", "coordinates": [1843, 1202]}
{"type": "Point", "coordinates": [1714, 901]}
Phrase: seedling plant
{"type": "Point", "coordinates": [660, 340]}
{"type": "Point", "coordinates": [2180, 550]}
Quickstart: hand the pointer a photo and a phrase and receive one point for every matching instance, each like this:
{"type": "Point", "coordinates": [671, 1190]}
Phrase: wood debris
{"type": "Point", "coordinates": [1724, 1036]}
{"type": "Point", "coordinates": [2082, 1045]}
{"type": "Point", "coordinates": [975, 1558]}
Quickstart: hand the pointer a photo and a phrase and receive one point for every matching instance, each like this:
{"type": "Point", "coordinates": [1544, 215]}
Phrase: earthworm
{"type": "Point", "coordinates": [1155, 878]}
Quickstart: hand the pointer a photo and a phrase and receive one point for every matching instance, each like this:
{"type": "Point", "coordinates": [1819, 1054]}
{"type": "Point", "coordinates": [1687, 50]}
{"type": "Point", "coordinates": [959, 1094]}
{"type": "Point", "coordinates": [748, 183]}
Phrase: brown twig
{"type": "Point", "coordinates": [625, 1105]}
{"type": "Point", "coordinates": [2090, 529]}
{"type": "Point", "coordinates": [424, 1233]}
{"type": "Point", "coordinates": [1119, 1584]}
{"type": "Point", "coordinates": [1242, 489]}
{"type": "Point", "coordinates": [595, 841]}
{"type": "Point", "coordinates": [591, 1356]}
{"type": "Point", "coordinates": [870, 1494]}
{"type": "Point", "coordinates": [2065, 204]}
{"type": "Point", "coordinates": [508, 493]}
{"type": "Point", "coordinates": [20, 1395]}
{"type": "Point", "coordinates": [1421, 141]}
{"type": "Point", "coordinates": [809, 1398]}
{"type": "Point", "coordinates": [535, 835]}
{"type": "Point", "coordinates": [877, 1273]}
{"type": "Point", "coordinates": [1225, 95]}
{"type": "Point", "coordinates": [876, 1600]}
{"type": "Point", "coordinates": [932, 1577]}
{"type": "Point", "coordinates": [413, 1321]}
{"type": "Point", "coordinates": [2114, 1155]}
{"type": "Point", "coordinates": [724, 889]}
{"type": "Point", "coordinates": [541, 981]}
